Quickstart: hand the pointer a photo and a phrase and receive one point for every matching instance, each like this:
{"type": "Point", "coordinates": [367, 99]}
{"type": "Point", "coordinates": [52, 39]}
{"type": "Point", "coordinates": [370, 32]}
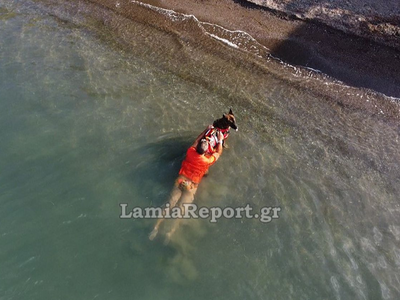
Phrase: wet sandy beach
{"type": "Point", "coordinates": [356, 61]}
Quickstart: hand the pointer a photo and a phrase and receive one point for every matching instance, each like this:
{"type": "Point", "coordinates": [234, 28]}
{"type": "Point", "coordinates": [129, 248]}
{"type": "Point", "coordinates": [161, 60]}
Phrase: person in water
{"type": "Point", "coordinates": [194, 167]}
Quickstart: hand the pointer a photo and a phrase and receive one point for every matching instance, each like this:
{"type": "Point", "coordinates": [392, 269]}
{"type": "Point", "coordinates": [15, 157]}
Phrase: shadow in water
{"type": "Point", "coordinates": [158, 167]}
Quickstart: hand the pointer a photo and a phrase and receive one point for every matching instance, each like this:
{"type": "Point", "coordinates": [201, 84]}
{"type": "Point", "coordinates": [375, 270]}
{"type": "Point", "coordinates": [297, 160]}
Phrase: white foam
{"type": "Point", "coordinates": [180, 17]}
{"type": "Point", "coordinates": [223, 40]}
{"type": "Point", "coordinates": [170, 13]}
{"type": "Point", "coordinates": [314, 70]}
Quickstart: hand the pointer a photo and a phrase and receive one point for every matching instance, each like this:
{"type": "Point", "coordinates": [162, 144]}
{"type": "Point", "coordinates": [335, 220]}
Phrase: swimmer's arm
{"type": "Point", "coordinates": [200, 137]}
{"type": "Point", "coordinates": [218, 153]}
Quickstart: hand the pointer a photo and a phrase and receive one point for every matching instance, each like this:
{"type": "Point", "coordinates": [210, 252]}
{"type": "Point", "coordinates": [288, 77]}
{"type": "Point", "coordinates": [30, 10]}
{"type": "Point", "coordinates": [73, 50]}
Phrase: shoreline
{"type": "Point", "coordinates": [347, 72]}
{"type": "Point", "coordinates": [354, 60]}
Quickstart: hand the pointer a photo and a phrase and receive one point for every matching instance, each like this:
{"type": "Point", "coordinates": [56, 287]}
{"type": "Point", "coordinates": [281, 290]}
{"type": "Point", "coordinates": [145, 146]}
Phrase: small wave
{"type": "Point", "coordinates": [224, 40]}
{"type": "Point", "coordinates": [237, 39]}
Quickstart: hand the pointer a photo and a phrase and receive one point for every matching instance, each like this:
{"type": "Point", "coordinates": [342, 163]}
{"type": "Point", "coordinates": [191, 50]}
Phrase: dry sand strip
{"type": "Point", "coordinates": [355, 60]}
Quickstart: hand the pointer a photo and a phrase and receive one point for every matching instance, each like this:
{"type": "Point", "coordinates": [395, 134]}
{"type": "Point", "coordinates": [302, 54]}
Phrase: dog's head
{"type": "Point", "coordinates": [230, 119]}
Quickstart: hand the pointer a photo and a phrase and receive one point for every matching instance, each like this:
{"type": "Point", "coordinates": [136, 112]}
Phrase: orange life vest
{"type": "Point", "coordinates": [196, 165]}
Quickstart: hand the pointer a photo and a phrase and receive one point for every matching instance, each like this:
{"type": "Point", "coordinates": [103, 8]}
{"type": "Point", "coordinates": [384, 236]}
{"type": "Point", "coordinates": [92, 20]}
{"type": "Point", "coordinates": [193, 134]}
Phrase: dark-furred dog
{"type": "Point", "coordinates": [223, 125]}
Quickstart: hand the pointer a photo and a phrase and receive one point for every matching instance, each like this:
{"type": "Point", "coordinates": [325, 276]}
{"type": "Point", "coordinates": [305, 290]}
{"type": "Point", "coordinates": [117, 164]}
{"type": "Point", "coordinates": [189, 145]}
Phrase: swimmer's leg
{"type": "Point", "coordinates": [187, 197]}
{"type": "Point", "coordinates": [176, 193]}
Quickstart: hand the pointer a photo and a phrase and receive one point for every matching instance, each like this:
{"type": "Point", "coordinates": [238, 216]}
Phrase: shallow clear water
{"type": "Point", "coordinates": [86, 125]}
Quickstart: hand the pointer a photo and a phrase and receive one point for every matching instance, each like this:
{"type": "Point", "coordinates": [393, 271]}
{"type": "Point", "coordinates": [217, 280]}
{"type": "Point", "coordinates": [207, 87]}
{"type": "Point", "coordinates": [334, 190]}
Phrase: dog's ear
{"type": "Point", "coordinates": [224, 116]}
{"type": "Point", "coordinates": [230, 111]}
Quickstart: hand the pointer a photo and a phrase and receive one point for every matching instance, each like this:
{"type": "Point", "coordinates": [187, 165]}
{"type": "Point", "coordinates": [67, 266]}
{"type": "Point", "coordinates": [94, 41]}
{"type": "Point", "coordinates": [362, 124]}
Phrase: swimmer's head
{"type": "Point", "coordinates": [202, 146]}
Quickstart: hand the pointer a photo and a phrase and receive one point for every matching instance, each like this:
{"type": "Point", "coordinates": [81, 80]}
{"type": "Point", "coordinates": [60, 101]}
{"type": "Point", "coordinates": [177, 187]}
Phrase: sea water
{"type": "Point", "coordinates": [98, 114]}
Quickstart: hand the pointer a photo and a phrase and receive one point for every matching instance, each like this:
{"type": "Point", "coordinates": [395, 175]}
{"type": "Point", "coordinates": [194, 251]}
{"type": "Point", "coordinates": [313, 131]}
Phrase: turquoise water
{"type": "Point", "coordinates": [87, 124]}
